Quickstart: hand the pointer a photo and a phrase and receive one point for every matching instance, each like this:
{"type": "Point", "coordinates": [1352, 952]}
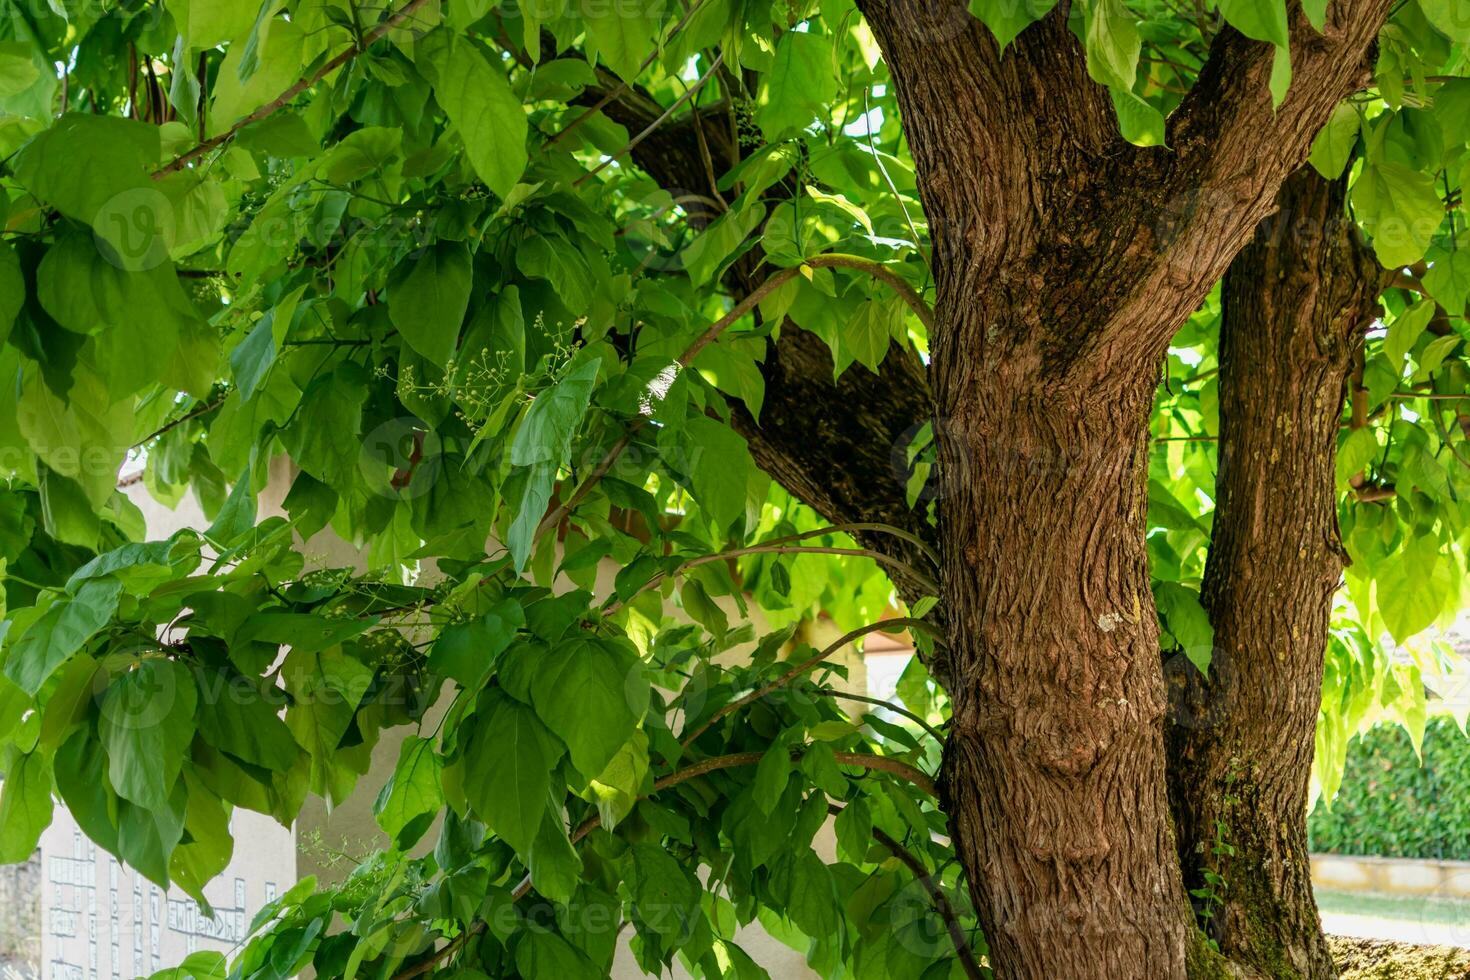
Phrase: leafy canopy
{"type": "Point", "coordinates": [427, 252]}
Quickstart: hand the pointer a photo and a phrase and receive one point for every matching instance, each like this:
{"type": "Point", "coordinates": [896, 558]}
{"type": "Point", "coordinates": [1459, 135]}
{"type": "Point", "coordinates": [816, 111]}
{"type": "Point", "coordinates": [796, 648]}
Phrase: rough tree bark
{"type": "Point", "coordinates": [1296, 302]}
{"type": "Point", "coordinates": [1064, 261]}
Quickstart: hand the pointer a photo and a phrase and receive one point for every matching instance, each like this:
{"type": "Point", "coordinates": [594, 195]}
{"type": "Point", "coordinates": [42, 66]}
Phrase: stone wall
{"type": "Point", "coordinates": [20, 919]}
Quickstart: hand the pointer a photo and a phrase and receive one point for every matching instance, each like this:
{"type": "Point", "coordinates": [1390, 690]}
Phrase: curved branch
{"type": "Point", "coordinates": [767, 548]}
{"type": "Point", "coordinates": [886, 626]}
{"type": "Point", "coordinates": [897, 709]}
{"type": "Point", "coordinates": [852, 526]}
{"type": "Point", "coordinates": [941, 902]}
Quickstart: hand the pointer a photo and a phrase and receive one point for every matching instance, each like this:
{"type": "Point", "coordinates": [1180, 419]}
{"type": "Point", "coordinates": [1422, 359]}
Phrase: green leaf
{"type": "Point", "coordinates": [556, 260]}
{"type": "Point", "coordinates": [702, 609]}
{"type": "Point", "coordinates": [239, 720]}
{"type": "Point", "coordinates": [206, 23]}
{"type": "Point", "coordinates": [146, 838]}
{"type": "Point", "coordinates": [542, 445]}
{"type": "Point", "coordinates": [1434, 354]}
{"type": "Point", "coordinates": [490, 119]}
{"type": "Point", "coordinates": [707, 253]}
{"type": "Point", "coordinates": [546, 956]}
{"type": "Point", "coordinates": [18, 70]}
{"type": "Point", "coordinates": [718, 461]}
{"type": "Point", "coordinates": [772, 774]}
{"type": "Point", "coordinates": [1113, 44]}
{"type": "Point", "coordinates": [1410, 589]}
{"type": "Point", "coordinates": [253, 357]}
{"type": "Point", "coordinates": [1138, 120]}
{"type": "Point", "coordinates": [621, 36]}
{"type": "Point", "coordinates": [591, 693]}
{"type": "Point", "coordinates": [854, 830]}
{"type": "Point", "coordinates": [1358, 449]}
{"type": "Point", "coordinates": [466, 652]}
{"type": "Point", "coordinates": [60, 632]}
{"type": "Point", "coordinates": [146, 724]}
{"type": "Point", "coordinates": [1401, 210]}
{"type": "Point", "coordinates": [207, 846]}
{"type": "Point", "coordinates": [618, 786]}
{"type": "Point", "coordinates": [83, 437]}
{"type": "Point", "coordinates": [665, 897]}
{"type": "Point", "coordinates": [428, 304]}
{"type": "Point", "coordinates": [1186, 620]}
{"type": "Point", "coordinates": [87, 161]}
{"type": "Point", "coordinates": [304, 632]}
{"type": "Point", "coordinates": [257, 68]}
{"type": "Point", "coordinates": [1333, 146]}
{"type": "Point", "coordinates": [323, 439]}
{"type": "Point", "coordinates": [203, 965]}
{"type": "Point", "coordinates": [236, 518]}
{"type": "Point", "coordinates": [25, 803]}
{"type": "Point", "coordinates": [798, 86]}
{"type": "Point", "coordinates": [1448, 278]}
{"type": "Point", "coordinates": [877, 323]}
{"type": "Point", "coordinates": [1008, 18]}
{"type": "Point", "coordinates": [1450, 17]}
{"type": "Point", "coordinates": [1406, 330]}
{"type": "Point", "coordinates": [555, 867]}
{"type": "Point", "coordinates": [413, 796]}
{"type": "Point", "coordinates": [12, 289]}
{"type": "Point", "coordinates": [508, 766]}
{"type": "Point", "coordinates": [81, 783]}
{"type": "Point", "coordinates": [812, 902]}
{"type": "Point", "coordinates": [1260, 20]}
{"type": "Point", "coordinates": [326, 687]}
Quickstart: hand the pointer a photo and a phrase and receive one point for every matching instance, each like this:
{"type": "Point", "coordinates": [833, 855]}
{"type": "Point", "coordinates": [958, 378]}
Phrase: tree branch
{"type": "Point", "coordinates": [780, 546]}
{"type": "Point", "coordinates": [941, 902]}
{"type": "Point", "coordinates": [1229, 151]}
{"type": "Point", "coordinates": [886, 626]}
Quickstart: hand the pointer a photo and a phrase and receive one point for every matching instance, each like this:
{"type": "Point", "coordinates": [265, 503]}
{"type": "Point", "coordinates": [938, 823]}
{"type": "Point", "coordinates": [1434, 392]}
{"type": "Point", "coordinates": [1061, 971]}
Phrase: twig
{"type": "Point", "coordinates": [941, 902]}
{"type": "Point", "coordinates": [193, 413]}
{"type": "Point", "coordinates": [897, 709]}
{"type": "Point", "coordinates": [886, 626]}
{"type": "Point", "coordinates": [648, 130]}
{"type": "Point", "coordinates": [772, 548]}
{"type": "Point", "coordinates": [368, 40]}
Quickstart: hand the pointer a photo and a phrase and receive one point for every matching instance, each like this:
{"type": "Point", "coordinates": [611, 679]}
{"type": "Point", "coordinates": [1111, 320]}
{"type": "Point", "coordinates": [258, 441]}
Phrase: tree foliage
{"type": "Point", "coordinates": [431, 252]}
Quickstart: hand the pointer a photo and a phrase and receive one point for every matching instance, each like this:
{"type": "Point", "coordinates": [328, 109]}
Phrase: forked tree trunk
{"type": "Point", "coordinates": [1296, 302]}
{"type": "Point", "coordinates": [1064, 261]}
{"type": "Point", "coordinates": [1054, 767]}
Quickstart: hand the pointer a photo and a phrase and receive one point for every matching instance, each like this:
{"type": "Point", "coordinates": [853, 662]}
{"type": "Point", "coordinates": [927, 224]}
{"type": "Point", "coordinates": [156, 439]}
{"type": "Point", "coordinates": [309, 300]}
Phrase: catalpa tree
{"type": "Point", "coordinates": [1086, 343]}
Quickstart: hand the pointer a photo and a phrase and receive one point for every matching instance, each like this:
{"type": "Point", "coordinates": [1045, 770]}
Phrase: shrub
{"type": "Point", "coordinates": [1390, 805]}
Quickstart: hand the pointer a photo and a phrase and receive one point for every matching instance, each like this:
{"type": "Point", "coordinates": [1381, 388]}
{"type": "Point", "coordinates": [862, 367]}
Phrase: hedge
{"type": "Point", "coordinates": [1390, 805]}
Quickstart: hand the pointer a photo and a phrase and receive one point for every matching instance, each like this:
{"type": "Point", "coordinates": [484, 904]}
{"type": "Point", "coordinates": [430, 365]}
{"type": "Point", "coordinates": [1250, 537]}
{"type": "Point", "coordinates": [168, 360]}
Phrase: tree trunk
{"type": "Point", "coordinates": [1054, 770]}
{"type": "Point", "coordinates": [1296, 302]}
{"type": "Point", "coordinates": [1064, 262]}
